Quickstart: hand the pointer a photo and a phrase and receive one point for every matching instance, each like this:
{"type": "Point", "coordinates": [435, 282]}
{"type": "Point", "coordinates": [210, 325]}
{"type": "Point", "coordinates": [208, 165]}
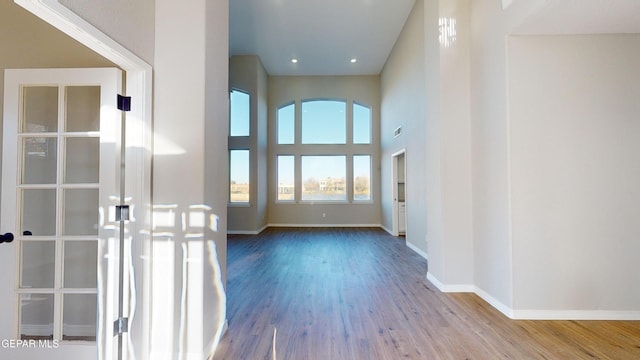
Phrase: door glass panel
{"type": "Point", "coordinates": [39, 160]}
{"type": "Point", "coordinates": [80, 264]}
{"type": "Point", "coordinates": [39, 211]}
{"type": "Point", "coordinates": [36, 316]}
{"type": "Point", "coordinates": [82, 161]}
{"type": "Point", "coordinates": [40, 106]}
{"type": "Point", "coordinates": [81, 212]}
{"type": "Point", "coordinates": [79, 317]}
{"type": "Point", "coordinates": [83, 108]}
{"type": "Point", "coordinates": [37, 264]}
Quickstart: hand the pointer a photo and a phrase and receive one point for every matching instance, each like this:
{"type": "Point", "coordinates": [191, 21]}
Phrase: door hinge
{"type": "Point", "coordinates": [120, 326]}
{"type": "Point", "coordinates": [122, 212]}
{"type": "Point", "coordinates": [124, 103]}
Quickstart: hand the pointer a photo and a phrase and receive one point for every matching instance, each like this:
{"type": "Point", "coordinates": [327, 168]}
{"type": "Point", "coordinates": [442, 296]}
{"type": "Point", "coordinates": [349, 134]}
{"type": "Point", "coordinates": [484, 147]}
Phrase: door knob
{"type": "Point", "coordinates": [6, 238]}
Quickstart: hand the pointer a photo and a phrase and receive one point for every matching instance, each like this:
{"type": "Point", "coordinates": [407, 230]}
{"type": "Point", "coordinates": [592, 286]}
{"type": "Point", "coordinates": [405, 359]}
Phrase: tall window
{"type": "Point", "coordinates": [334, 163]}
{"type": "Point", "coordinates": [239, 176]}
{"type": "Point", "coordinates": [239, 113]}
{"type": "Point", "coordinates": [361, 124]}
{"type": "Point", "coordinates": [286, 124]}
{"type": "Point", "coordinates": [361, 177]}
{"type": "Point", "coordinates": [286, 178]}
{"type": "Point", "coordinates": [239, 129]}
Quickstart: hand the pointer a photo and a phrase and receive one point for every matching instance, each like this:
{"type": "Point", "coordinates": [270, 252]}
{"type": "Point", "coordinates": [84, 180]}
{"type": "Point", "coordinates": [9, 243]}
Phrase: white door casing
{"type": "Point", "coordinates": [15, 136]}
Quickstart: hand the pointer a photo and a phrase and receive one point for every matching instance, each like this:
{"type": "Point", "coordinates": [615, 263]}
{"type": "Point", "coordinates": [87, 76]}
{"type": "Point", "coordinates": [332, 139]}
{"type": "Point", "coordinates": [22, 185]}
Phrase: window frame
{"type": "Point", "coordinates": [346, 199]}
{"type": "Point", "coordinates": [353, 183]}
{"type": "Point", "coordinates": [235, 89]}
{"type": "Point", "coordinates": [277, 177]}
{"type": "Point", "coordinates": [353, 123]}
{"type": "Point", "coordinates": [349, 150]}
{"type": "Point", "coordinates": [240, 203]}
{"type": "Point", "coordinates": [292, 103]}
{"type": "Point", "coordinates": [346, 122]}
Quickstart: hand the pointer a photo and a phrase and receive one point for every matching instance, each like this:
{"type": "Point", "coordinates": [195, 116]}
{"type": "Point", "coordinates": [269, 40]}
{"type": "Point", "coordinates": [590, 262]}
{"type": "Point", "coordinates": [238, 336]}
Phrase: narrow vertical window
{"type": "Point", "coordinates": [286, 124]}
{"type": "Point", "coordinates": [361, 124]}
{"type": "Point", "coordinates": [286, 178]}
{"type": "Point", "coordinates": [361, 177]}
{"type": "Point", "coordinates": [239, 176]}
{"type": "Point", "coordinates": [239, 113]}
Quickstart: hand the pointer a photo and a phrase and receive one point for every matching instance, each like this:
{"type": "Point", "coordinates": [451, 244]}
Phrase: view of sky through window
{"type": "Point", "coordinates": [361, 124]}
{"type": "Point", "coordinates": [324, 122]}
{"type": "Point", "coordinates": [286, 124]}
{"type": "Point", "coordinates": [239, 112]}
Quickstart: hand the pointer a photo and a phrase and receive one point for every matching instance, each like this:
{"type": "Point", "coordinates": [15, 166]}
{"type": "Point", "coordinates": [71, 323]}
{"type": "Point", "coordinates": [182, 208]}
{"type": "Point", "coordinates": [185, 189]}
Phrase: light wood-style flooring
{"type": "Point", "coordinates": [358, 293]}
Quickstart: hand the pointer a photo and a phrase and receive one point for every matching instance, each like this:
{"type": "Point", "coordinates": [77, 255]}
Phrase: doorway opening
{"type": "Point", "coordinates": [398, 181]}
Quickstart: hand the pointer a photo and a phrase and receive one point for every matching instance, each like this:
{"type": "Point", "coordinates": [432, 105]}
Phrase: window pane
{"type": "Point", "coordinates": [39, 211]}
{"type": "Point", "coordinates": [40, 109]}
{"type": "Point", "coordinates": [36, 316]}
{"type": "Point", "coordinates": [39, 160]}
{"type": "Point", "coordinates": [239, 113]}
{"type": "Point", "coordinates": [286, 184]}
{"type": "Point", "coordinates": [80, 264]}
{"type": "Point", "coordinates": [79, 317]}
{"type": "Point", "coordinates": [81, 212]}
{"type": "Point", "coordinates": [361, 177]}
{"type": "Point", "coordinates": [324, 122]}
{"type": "Point", "coordinates": [83, 108]}
{"type": "Point", "coordinates": [37, 263]}
{"type": "Point", "coordinates": [361, 124]}
{"type": "Point", "coordinates": [286, 124]}
{"type": "Point", "coordinates": [82, 163]}
{"type": "Point", "coordinates": [323, 178]}
{"type": "Point", "coordinates": [239, 176]}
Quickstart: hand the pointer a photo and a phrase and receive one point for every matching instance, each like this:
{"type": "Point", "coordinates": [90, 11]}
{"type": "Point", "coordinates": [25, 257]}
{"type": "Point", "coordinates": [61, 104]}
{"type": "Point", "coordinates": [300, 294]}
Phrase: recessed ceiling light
{"type": "Point", "coordinates": [353, 60]}
{"type": "Point", "coordinates": [294, 60]}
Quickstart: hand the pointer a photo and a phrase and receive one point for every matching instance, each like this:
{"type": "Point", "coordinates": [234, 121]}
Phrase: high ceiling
{"type": "Point", "coordinates": [585, 17]}
{"type": "Point", "coordinates": [322, 35]}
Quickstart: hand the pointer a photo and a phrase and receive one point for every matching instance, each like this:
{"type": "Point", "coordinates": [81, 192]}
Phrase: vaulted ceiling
{"type": "Point", "coordinates": [324, 36]}
{"type": "Point", "coordinates": [584, 17]}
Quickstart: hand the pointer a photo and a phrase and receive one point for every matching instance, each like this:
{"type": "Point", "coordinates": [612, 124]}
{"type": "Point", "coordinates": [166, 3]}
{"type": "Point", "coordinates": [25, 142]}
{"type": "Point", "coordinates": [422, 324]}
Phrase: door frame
{"type": "Point", "coordinates": [139, 150]}
{"type": "Point", "coordinates": [394, 189]}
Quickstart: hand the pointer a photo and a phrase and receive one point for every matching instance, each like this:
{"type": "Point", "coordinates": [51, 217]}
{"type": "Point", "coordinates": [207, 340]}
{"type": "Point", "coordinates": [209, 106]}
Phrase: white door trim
{"type": "Point", "coordinates": [394, 189]}
{"type": "Point", "coordinates": [138, 148]}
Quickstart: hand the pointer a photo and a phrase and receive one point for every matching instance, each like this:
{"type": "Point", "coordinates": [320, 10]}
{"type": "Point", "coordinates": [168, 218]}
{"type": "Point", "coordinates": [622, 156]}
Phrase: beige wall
{"type": "Point", "coordinates": [403, 103]}
{"type": "Point", "coordinates": [574, 129]}
{"type": "Point", "coordinates": [130, 23]}
{"type": "Point", "coordinates": [489, 26]}
{"type": "Point", "coordinates": [247, 73]}
{"type": "Point", "coordinates": [361, 89]}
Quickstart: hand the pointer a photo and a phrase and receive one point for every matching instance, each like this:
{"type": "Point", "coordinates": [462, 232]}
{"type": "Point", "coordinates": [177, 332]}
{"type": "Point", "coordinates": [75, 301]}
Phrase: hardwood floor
{"type": "Point", "coordinates": [362, 294]}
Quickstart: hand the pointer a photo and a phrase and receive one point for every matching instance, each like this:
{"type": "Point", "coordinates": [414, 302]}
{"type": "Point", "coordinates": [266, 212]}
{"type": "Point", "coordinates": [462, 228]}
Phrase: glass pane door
{"type": "Point", "coordinates": [58, 209]}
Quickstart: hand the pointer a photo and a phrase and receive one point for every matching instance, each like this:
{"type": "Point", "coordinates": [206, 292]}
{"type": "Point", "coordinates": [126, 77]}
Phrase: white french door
{"type": "Point", "coordinates": [60, 183]}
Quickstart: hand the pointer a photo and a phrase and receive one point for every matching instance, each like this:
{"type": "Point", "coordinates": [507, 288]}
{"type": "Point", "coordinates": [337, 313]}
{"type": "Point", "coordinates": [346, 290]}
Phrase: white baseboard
{"type": "Point", "coordinates": [575, 315]}
{"type": "Point", "coordinates": [454, 288]}
{"type": "Point", "coordinates": [247, 232]}
{"type": "Point", "coordinates": [387, 230]}
{"type": "Point", "coordinates": [500, 306]}
{"type": "Point", "coordinates": [418, 251]}
{"type": "Point", "coordinates": [535, 314]}
{"type": "Point", "coordinates": [325, 225]}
